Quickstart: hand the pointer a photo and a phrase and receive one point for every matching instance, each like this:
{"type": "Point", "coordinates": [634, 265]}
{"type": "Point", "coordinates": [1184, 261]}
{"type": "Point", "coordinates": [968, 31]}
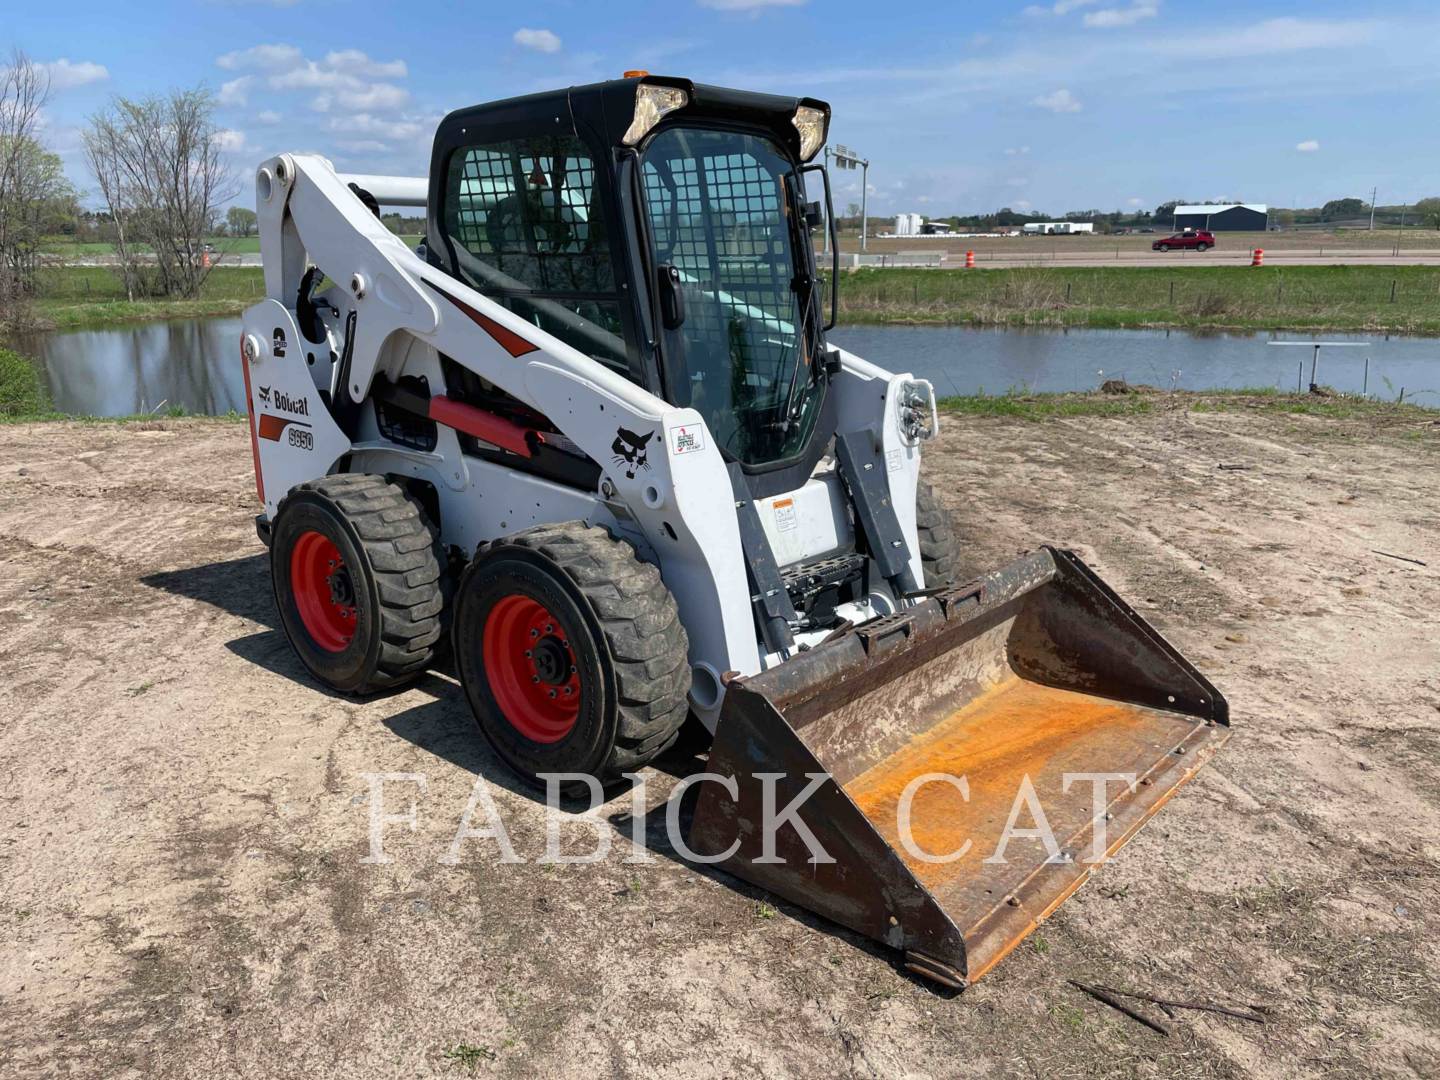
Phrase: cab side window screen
{"type": "Point", "coordinates": [529, 231]}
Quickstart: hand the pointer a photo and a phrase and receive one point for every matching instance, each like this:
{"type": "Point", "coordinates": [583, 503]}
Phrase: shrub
{"type": "Point", "coordinates": [22, 391]}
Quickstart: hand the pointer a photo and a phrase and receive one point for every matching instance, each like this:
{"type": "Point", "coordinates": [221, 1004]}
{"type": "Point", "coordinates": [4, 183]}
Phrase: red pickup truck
{"type": "Point", "coordinates": [1198, 240]}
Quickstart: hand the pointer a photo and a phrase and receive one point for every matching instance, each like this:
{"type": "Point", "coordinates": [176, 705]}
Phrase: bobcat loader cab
{"type": "Point", "coordinates": [597, 437]}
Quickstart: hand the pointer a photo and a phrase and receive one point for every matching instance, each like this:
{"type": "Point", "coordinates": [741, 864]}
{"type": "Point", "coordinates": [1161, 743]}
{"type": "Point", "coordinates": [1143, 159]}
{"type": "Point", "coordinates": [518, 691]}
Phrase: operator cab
{"type": "Point", "coordinates": [661, 228]}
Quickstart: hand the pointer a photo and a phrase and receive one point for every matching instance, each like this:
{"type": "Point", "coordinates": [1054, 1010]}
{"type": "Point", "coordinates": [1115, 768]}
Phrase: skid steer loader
{"type": "Point", "coordinates": [597, 442]}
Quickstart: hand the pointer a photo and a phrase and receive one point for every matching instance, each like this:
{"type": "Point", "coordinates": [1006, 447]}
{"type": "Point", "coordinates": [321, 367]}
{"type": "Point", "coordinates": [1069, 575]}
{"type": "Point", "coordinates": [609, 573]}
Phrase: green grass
{"type": "Point", "coordinates": [224, 245]}
{"type": "Point", "coordinates": [75, 296]}
{"type": "Point", "coordinates": [1025, 406]}
{"type": "Point", "coordinates": [174, 412]}
{"type": "Point", "coordinates": [22, 391]}
{"type": "Point", "coordinates": [1354, 298]}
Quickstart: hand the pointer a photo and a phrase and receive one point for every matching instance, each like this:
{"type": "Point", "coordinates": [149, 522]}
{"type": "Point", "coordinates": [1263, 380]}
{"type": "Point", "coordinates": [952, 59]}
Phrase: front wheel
{"type": "Point", "coordinates": [357, 582]}
{"type": "Point", "coordinates": [1163, 247]}
{"type": "Point", "coordinates": [1202, 247]}
{"type": "Point", "coordinates": [939, 553]}
{"type": "Point", "coordinates": [571, 653]}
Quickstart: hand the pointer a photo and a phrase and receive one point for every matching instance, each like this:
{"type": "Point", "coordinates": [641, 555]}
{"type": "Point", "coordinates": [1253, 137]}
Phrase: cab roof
{"type": "Point", "coordinates": [603, 111]}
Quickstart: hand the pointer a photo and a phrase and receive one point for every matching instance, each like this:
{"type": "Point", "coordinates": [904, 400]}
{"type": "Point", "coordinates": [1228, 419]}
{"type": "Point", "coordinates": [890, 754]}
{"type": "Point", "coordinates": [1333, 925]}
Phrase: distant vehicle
{"type": "Point", "coordinates": [1199, 240]}
{"type": "Point", "coordinates": [1145, 230]}
{"type": "Point", "coordinates": [209, 249]}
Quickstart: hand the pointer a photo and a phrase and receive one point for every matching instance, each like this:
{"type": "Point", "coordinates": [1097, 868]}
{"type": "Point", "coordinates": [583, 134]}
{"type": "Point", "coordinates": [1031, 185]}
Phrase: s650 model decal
{"type": "Point", "coordinates": [299, 434]}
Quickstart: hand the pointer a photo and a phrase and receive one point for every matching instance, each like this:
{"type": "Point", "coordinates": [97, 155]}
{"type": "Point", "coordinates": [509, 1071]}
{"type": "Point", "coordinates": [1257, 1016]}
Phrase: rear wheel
{"type": "Point", "coordinates": [939, 554]}
{"type": "Point", "coordinates": [571, 653]}
{"type": "Point", "coordinates": [1202, 247]}
{"type": "Point", "coordinates": [353, 566]}
{"type": "Point", "coordinates": [1164, 247]}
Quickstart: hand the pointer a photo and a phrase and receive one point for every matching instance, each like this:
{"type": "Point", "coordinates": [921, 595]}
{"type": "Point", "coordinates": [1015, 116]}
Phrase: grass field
{"type": "Point", "coordinates": [1270, 298]}
{"type": "Point", "coordinates": [224, 245]}
{"type": "Point", "coordinates": [74, 296]}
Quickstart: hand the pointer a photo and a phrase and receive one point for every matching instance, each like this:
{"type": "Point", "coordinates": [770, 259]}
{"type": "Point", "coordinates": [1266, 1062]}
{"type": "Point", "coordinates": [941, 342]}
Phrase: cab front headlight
{"type": "Point", "coordinates": [652, 103]}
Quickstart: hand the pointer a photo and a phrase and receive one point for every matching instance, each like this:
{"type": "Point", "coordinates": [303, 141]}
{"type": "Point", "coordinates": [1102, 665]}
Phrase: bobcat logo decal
{"type": "Point", "coordinates": [264, 396]}
{"type": "Point", "coordinates": [630, 451]}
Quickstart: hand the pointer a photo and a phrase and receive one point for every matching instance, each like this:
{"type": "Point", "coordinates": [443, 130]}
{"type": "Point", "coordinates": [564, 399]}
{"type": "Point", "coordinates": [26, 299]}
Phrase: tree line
{"type": "Point", "coordinates": [161, 177]}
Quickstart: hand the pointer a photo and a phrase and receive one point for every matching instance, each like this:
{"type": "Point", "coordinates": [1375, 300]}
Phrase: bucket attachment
{"type": "Point", "coordinates": [991, 712]}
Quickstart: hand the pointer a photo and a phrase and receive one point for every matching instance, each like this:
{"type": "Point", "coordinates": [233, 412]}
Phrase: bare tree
{"type": "Point", "coordinates": [34, 194]}
{"type": "Point", "coordinates": [163, 173]}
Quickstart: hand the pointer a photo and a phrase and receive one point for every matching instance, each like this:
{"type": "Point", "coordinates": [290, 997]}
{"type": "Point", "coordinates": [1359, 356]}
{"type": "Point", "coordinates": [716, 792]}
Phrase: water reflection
{"type": "Point", "coordinates": [195, 363]}
{"type": "Point", "coordinates": [192, 363]}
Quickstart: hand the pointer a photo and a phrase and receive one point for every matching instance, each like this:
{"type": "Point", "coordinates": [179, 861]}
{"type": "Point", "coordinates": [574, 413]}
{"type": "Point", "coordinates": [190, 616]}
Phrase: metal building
{"type": "Point", "coordinates": [1223, 217]}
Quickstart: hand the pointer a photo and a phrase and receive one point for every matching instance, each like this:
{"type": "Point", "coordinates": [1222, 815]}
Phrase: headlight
{"type": "Point", "coordinates": [810, 123]}
{"type": "Point", "coordinates": [651, 104]}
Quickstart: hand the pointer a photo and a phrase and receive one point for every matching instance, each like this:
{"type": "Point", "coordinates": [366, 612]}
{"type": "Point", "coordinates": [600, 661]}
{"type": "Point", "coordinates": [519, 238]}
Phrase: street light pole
{"type": "Point", "coordinates": [845, 158]}
{"type": "Point", "coordinates": [1373, 192]}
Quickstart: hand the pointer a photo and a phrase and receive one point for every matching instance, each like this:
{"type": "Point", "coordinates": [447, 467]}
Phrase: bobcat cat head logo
{"type": "Point", "coordinates": [630, 450]}
{"type": "Point", "coordinates": [264, 396]}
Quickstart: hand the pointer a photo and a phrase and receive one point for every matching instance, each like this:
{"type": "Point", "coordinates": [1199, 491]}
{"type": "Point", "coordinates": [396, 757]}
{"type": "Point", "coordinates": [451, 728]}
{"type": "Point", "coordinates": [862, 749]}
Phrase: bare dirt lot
{"type": "Point", "coordinates": [185, 812]}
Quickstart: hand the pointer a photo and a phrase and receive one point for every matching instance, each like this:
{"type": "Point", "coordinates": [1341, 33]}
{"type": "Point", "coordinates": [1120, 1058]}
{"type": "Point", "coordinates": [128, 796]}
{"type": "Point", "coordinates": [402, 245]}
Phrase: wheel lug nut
{"type": "Point", "coordinates": [528, 654]}
{"type": "Point", "coordinates": [549, 629]}
{"type": "Point", "coordinates": [569, 690]}
{"type": "Point", "coordinates": [534, 678]}
{"type": "Point", "coordinates": [552, 693]}
{"type": "Point", "coordinates": [534, 632]}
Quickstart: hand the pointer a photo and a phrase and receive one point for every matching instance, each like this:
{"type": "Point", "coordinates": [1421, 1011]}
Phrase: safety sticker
{"type": "Point", "coordinates": [687, 439]}
{"type": "Point", "coordinates": [785, 515]}
{"type": "Point", "coordinates": [894, 460]}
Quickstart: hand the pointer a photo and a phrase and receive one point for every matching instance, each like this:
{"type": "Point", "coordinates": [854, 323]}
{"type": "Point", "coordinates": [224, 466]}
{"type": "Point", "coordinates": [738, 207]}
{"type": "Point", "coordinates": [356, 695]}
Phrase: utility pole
{"type": "Point", "coordinates": [1373, 192]}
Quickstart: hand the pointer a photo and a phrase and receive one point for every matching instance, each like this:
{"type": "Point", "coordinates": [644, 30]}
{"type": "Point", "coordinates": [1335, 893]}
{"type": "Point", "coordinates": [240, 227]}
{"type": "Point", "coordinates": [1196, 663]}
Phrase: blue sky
{"type": "Point", "coordinates": [1072, 104]}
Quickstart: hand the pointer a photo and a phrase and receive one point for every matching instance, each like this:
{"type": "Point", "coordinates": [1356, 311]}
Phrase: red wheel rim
{"type": "Point", "coordinates": [323, 589]}
{"type": "Point", "coordinates": [530, 666]}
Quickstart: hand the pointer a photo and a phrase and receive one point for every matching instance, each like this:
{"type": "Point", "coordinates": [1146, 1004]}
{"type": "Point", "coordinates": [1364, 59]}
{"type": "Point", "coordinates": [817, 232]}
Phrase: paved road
{"type": "Point", "coordinates": [951, 260]}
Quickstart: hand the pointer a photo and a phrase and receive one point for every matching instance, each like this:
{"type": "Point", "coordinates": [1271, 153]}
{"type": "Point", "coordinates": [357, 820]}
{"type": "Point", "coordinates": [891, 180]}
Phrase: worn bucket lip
{"type": "Point", "coordinates": [807, 686]}
{"type": "Point", "coordinates": [995, 934]}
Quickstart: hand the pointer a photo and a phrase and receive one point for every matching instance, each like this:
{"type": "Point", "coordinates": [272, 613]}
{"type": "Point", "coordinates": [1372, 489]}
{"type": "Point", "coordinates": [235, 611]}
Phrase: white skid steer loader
{"type": "Point", "coordinates": [596, 436]}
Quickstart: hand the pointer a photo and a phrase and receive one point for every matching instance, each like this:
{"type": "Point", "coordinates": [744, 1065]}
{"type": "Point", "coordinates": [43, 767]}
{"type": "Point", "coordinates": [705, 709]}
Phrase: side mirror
{"type": "Point", "coordinates": [672, 300]}
{"type": "Point", "coordinates": [813, 215]}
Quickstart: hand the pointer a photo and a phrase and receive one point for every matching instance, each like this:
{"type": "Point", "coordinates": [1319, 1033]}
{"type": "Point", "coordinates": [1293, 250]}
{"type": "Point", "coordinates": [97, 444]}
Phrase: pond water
{"type": "Point", "coordinates": [195, 363]}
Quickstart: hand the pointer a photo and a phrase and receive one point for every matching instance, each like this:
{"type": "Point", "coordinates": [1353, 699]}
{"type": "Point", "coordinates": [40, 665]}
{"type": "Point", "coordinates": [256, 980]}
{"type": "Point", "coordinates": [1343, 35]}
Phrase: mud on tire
{"type": "Point", "coordinates": [614, 620]}
{"type": "Point", "coordinates": [389, 599]}
{"type": "Point", "coordinates": [939, 554]}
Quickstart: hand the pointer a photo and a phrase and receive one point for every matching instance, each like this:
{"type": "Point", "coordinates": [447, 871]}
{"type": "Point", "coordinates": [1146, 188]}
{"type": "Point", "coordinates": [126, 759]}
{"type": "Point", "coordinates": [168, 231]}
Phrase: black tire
{"type": "Point", "coordinates": [387, 567]}
{"type": "Point", "coordinates": [1202, 247]}
{"type": "Point", "coordinates": [609, 616]}
{"type": "Point", "coordinates": [1164, 247]}
{"type": "Point", "coordinates": [939, 554]}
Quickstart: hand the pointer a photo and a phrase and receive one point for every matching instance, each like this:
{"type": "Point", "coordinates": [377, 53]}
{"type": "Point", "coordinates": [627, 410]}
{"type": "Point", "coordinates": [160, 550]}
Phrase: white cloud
{"type": "Point", "coordinates": [1061, 101]}
{"type": "Point", "coordinates": [367, 124]}
{"type": "Point", "coordinates": [268, 116]}
{"type": "Point", "coordinates": [539, 40]}
{"type": "Point", "coordinates": [261, 56]}
{"type": "Point", "coordinates": [235, 91]}
{"type": "Point", "coordinates": [1020, 204]}
{"type": "Point", "coordinates": [748, 5]}
{"type": "Point", "coordinates": [1017, 151]}
{"type": "Point", "coordinates": [355, 62]}
{"type": "Point", "coordinates": [68, 74]}
{"type": "Point", "coordinates": [1107, 18]}
{"type": "Point", "coordinates": [1133, 201]}
{"type": "Point", "coordinates": [1061, 7]}
{"type": "Point", "coordinates": [1309, 146]}
{"type": "Point", "coordinates": [230, 140]}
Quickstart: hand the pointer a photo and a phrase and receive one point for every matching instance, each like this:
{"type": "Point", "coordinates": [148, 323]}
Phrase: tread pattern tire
{"type": "Point", "coordinates": [939, 554]}
{"type": "Point", "coordinates": [398, 547]}
{"type": "Point", "coordinates": [640, 625]}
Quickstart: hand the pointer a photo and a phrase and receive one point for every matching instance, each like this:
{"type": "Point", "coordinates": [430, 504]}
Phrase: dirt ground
{"type": "Point", "coordinates": [185, 812]}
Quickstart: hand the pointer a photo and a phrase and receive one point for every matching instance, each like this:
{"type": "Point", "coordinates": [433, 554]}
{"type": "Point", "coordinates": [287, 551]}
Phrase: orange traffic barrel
{"type": "Point", "coordinates": [1258, 259]}
{"type": "Point", "coordinates": [969, 260]}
